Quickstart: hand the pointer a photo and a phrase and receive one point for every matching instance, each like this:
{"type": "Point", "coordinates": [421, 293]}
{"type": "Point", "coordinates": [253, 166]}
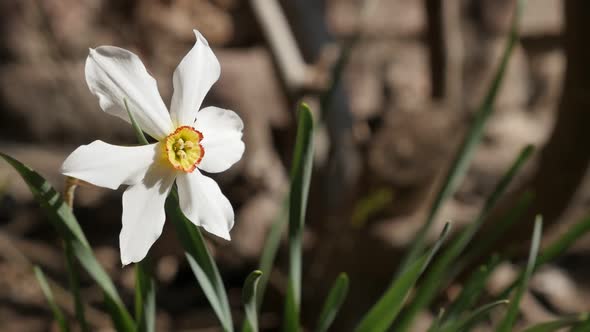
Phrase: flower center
{"type": "Point", "coordinates": [183, 150]}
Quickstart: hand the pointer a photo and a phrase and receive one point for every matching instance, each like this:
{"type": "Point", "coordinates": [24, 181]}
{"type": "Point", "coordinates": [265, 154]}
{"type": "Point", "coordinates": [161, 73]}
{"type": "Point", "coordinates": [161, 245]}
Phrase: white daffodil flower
{"type": "Point", "coordinates": [189, 140]}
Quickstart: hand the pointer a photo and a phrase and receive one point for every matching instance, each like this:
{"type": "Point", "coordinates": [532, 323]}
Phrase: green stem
{"type": "Point", "coordinates": [75, 286]}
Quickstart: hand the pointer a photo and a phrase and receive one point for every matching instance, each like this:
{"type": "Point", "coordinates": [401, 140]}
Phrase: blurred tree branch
{"type": "Point", "coordinates": [445, 49]}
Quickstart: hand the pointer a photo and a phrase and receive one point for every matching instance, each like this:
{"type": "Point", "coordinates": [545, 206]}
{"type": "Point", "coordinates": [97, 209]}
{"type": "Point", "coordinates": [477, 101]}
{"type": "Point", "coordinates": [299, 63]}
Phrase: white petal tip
{"type": "Point", "coordinates": [200, 37]}
{"type": "Point", "coordinates": [127, 260]}
{"type": "Point", "coordinates": [218, 233]}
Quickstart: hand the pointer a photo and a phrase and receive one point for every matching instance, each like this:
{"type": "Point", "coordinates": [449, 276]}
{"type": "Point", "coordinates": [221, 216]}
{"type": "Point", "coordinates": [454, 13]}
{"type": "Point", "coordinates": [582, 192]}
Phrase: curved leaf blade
{"type": "Point", "coordinates": [510, 318]}
{"type": "Point", "coordinates": [300, 180]}
{"type": "Point", "coordinates": [557, 324]}
{"type": "Point", "coordinates": [333, 303]}
{"type": "Point", "coordinates": [473, 317]}
{"type": "Point", "coordinates": [57, 313]}
{"type": "Point", "coordinates": [384, 312]}
{"type": "Point", "coordinates": [63, 220]}
{"type": "Point", "coordinates": [200, 261]}
{"type": "Point", "coordinates": [439, 270]}
{"type": "Point", "coordinates": [464, 155]}
{"type": "Point", "coordinates": [249, 298]}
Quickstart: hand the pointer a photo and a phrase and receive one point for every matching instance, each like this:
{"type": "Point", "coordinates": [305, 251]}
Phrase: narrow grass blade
{"type": "Point", "coordinates": [464, 154]}
{"type": "Point", "coordinates": [59, 213]}
{"type": "Point", "coordinates": [471, 290]}
{"type": "Point", "coordinates": [269, 252]}
{"type": "Point", "coordinates": [565, 241]}
{"type": "Point", "coordinates": [300, 179]}
{"type": "Point", "coordinates": [384, 312]}
{"type": "Point", "coordinates": [119, 313]}
{"type": "Point", "coordinates": [57, 313]}
{"type": "Point", "coordinates": [473, 317]}
{"type": "Point", "coordinates": [437, 322]}
{"type": "Point", "coordinates": [557, 324]}
{"type": "Point", "coordinates": [439, 269]}
{"type": "Point", "coordinates": [333, 303]}
{"type": "Point", "coordinates": [64, 221]}
{"type": "Point", "coordinates": [249, 299]}
{"type": "Point", "coordinates": [138, 132]}
{"type": "Point", "coordinates": [556, 248]}
{"type": "Point", "coordinates": [514, 215]}
{"type": "Point", "coordinates": [510, 318]}
{"type": "Point", "coordinates": [145, 298]}
{"type": "Point", "coordinates": [201, 262]}
{"type": "Point", "coordinates": [74, 282]}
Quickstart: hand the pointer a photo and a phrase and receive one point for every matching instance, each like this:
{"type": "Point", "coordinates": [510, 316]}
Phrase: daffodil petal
{"type": "Point", "coordinates": [114, 74]}
{"type": "Point", "coordinates": [109, 166]}
{"type": "Point", "coordinates": [193, 78]}
{"type": "Point", "coordinates": [143, 213]}
{"type": "Point", "coordinates": [222, 138]}
{"type": "Point", "coordinates": [204, 204]}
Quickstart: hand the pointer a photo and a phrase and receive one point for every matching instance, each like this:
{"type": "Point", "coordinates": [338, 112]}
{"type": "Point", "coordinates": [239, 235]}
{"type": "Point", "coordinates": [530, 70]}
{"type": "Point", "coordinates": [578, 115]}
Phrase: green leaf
{"type": "Point", "coordinates": [558, 247]}
{"type": "Point", "coordinates": [300, 179]}
{"type": "Point", "coordinates": [383, 313]}
{"type": "Point", "coordinates": [201, 262]}
{"type": "Point", "coordinates": [64, 221]}
{"type": "Point", "coordinates": [119, 313]}
{"type": "Point", "coordinates": [138, 132]}
{"type": "Point", "coordinates": [557, 324]}
{"type": "Point", "coordinates": [472, 290]}
{"type": "Point", "coordinates": [439, 270]}
{"type": "Point", "coordinates": [583, 326]}
{"type": "Point", "coordinates": [464, 154]}
{"type": "Point", "coordinates": [333, 303]}
{"type": "Point", "coordinates": [510, 318]}
{"type": "Point", "coordinates": [249, 299]}
{"type": "Point", "coordinates": [473, 317]}
{"type": "Point", "coordinates": [59, 213]}
{"type": "Point", "coordinates": [436, 323]}
{"type": "Point", "coordinates": [145, 298]}
{"type": "Point", "coordinates": [495, 234]}
{"type": "Point", "coordinates": [271, 247]}
{"type": "Point", "coordinates": [57, 313]}
{"type": "Point", "coordinates": [75, 285]}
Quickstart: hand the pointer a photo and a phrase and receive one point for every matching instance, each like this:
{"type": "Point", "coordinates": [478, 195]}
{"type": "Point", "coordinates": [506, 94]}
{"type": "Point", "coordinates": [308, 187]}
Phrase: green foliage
{"type": "Point", "coordinates": [145, 298]}
{"type": "Point", "coordinates": [389, 309]}
{"type": "Point", "coordinates": [75, 285]}
{"type": "Point", "coordinates": [557, 324]}
{"type": "Point", "coordinates": [510, 318]}
{"type": "Point", "coordinates": [583, 326]}
{"type": "Point", "coordinates": [464, 155]}
{"type": "Point", "coordinates": [271, 247]}
{"type": "Point", "coordinates": [200, 261]}
{"type": "Point", "coordinates": [249, 298]}
{"type": "Point", "coordinates": [471, 290]}
{"type": "Point", "coordinates": [300, 179]}
{"type": "Point", "coordinates": [471, 318]}
{"type": "Point", "coordinates": [370, 205]}
{"type": "Point", "coordinates": [57, 313]}
{"type": "Point", "coordinates": [333, 303]}
{"type": "Point", "coordinates": [138, 132]}
{"type": "Point", "coordinates": [383, 313]}
{"type": "Point", "coordinates": [438, 272]}
{"type": "Point", "coordinates": [64, 221]}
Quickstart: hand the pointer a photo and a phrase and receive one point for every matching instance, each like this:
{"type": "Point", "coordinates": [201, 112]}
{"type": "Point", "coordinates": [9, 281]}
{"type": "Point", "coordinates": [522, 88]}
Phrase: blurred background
{"type": "Point", "coordinates": [415, 74]}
